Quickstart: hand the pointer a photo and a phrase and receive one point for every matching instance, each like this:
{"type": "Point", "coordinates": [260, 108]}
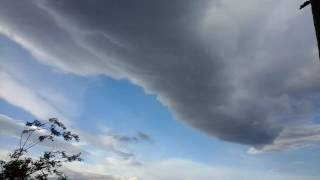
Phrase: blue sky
{"type": "Point", "coordinates": [260, 120]}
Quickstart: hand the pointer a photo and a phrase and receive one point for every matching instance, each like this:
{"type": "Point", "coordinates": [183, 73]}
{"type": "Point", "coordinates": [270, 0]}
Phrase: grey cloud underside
{"type": "Point", "coordinates": [139, 137]}
{"type": "Point", "coordinates": [84, 176]}
{"type": "Point", "coordinates": [233, 71]}
{"type": "Point", "coordinates": [9, 127]}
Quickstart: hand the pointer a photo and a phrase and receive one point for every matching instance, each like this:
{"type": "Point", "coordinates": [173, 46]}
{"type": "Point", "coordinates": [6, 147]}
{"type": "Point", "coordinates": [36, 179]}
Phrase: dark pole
{"type": "Point", "coordinates": [316, 18]}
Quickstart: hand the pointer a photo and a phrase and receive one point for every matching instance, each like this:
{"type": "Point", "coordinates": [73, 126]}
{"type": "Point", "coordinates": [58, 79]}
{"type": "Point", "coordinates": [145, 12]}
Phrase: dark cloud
{"type": "Point", "coordinates": [229, 69]}
{"type": "Point", "coordinates": [139, 137]}
{"type": "Point", "coordinates": [144, 137]}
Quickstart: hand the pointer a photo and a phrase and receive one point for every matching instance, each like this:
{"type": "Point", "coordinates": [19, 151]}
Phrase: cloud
{"type": "Point", "coordinates": [292, 138]}
{"type": "Point", "coordinates": [83, 176]}
{"type": "Point", "coordinates": [10, 127]}
{"type": "Point", "coordinates": [190, 170]}
{"type": "Point", "coordinates": [108, 141]}
{"type": "Point", "coordinates": [24, 97]}
{"type": "Point", "coordinates": [139, 137]}
{"type": "Point", "coordinates": [184, 169]}
{"type": "Point", "coordinates": [227, 68]}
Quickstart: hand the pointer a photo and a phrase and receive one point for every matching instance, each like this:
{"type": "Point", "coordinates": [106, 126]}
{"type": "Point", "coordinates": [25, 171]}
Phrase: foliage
{"type": "Point", "coordinates": [20, 166]}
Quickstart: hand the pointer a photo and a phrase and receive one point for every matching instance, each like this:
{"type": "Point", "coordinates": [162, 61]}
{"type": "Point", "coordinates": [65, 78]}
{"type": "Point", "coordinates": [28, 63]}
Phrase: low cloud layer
{"type": "Point", "coordinates": [83, 176]}
{"type": "Point", "coordinates": [187, 170]}
{"type": "Point", "coordinates": [230, 69]}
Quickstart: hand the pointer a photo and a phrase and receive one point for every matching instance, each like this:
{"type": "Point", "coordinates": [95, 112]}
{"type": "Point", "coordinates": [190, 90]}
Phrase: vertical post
{"type": "Point", "coordinates": [316, 17]}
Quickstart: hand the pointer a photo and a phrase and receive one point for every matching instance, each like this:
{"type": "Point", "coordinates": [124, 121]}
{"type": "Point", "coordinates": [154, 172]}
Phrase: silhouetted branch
{"type": "Point", "coordinates": [315, 6]}
{"type": "Point", "coordinates": [21, 167]}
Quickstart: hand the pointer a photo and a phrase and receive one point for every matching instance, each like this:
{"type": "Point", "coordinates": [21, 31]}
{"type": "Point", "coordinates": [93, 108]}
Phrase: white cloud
{"type": "Point", "coordinates": [173, 169]}
{"type": "Point", "coordinates": [94, 176]}
{"type": "Point", "coordinates": [292, 138]}
{"type": "Point", "coordinates": [112, 147]}
{"type": "Point", "coordinates": [10, 127]}
{"type": "Point", "coordinates": [17, 94]}
{"type": "Point", "coordinates": [189, 170]}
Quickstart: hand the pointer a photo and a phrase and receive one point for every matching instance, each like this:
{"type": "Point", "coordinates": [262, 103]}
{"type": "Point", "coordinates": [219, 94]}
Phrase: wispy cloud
{"type": "Point", "coordinates": [117, 144]}
{"type": "Point", "coordinates": [292, 138]}
{"type": "Point", "coordinates": [24, 97]}
{"type": "Point", "coordinates": [10, 127]}
{"type": "Point", "coordinates": [114, 149]}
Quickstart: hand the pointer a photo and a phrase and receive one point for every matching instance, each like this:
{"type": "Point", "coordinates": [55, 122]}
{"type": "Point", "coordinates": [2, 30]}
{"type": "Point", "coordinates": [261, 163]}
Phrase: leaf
{"type": "Point", "coordinates": [58, 123]}
{"type": "Point", "coordinates": [49, 163]}
{"type": "Point", "coordinates": [54, 131]}
{"type": "Point", "coordinates": [37, 123]}
{"type": "Point", "coordinates": [27, 131]}
{"type": "Point", "coordinates": [29, 124]}
{"type": "Point", "coordinates": [41, 138]}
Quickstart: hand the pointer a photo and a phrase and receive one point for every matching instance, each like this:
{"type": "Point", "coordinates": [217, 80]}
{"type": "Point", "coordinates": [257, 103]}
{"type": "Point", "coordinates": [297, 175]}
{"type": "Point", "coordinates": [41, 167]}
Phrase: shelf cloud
{"type": "Point", "coordinates": [226, 68]}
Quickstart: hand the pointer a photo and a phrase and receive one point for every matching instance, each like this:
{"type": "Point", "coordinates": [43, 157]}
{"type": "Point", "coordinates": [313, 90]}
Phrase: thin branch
{"type": "Point", "coordinates": [30, 134]}
{"type": "Point", "coordinates": [32, 145]}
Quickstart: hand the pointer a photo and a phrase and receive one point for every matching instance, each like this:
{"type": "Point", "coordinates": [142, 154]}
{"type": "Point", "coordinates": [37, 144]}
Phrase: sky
{"type": "Point", "coordinates": [172, 89]}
